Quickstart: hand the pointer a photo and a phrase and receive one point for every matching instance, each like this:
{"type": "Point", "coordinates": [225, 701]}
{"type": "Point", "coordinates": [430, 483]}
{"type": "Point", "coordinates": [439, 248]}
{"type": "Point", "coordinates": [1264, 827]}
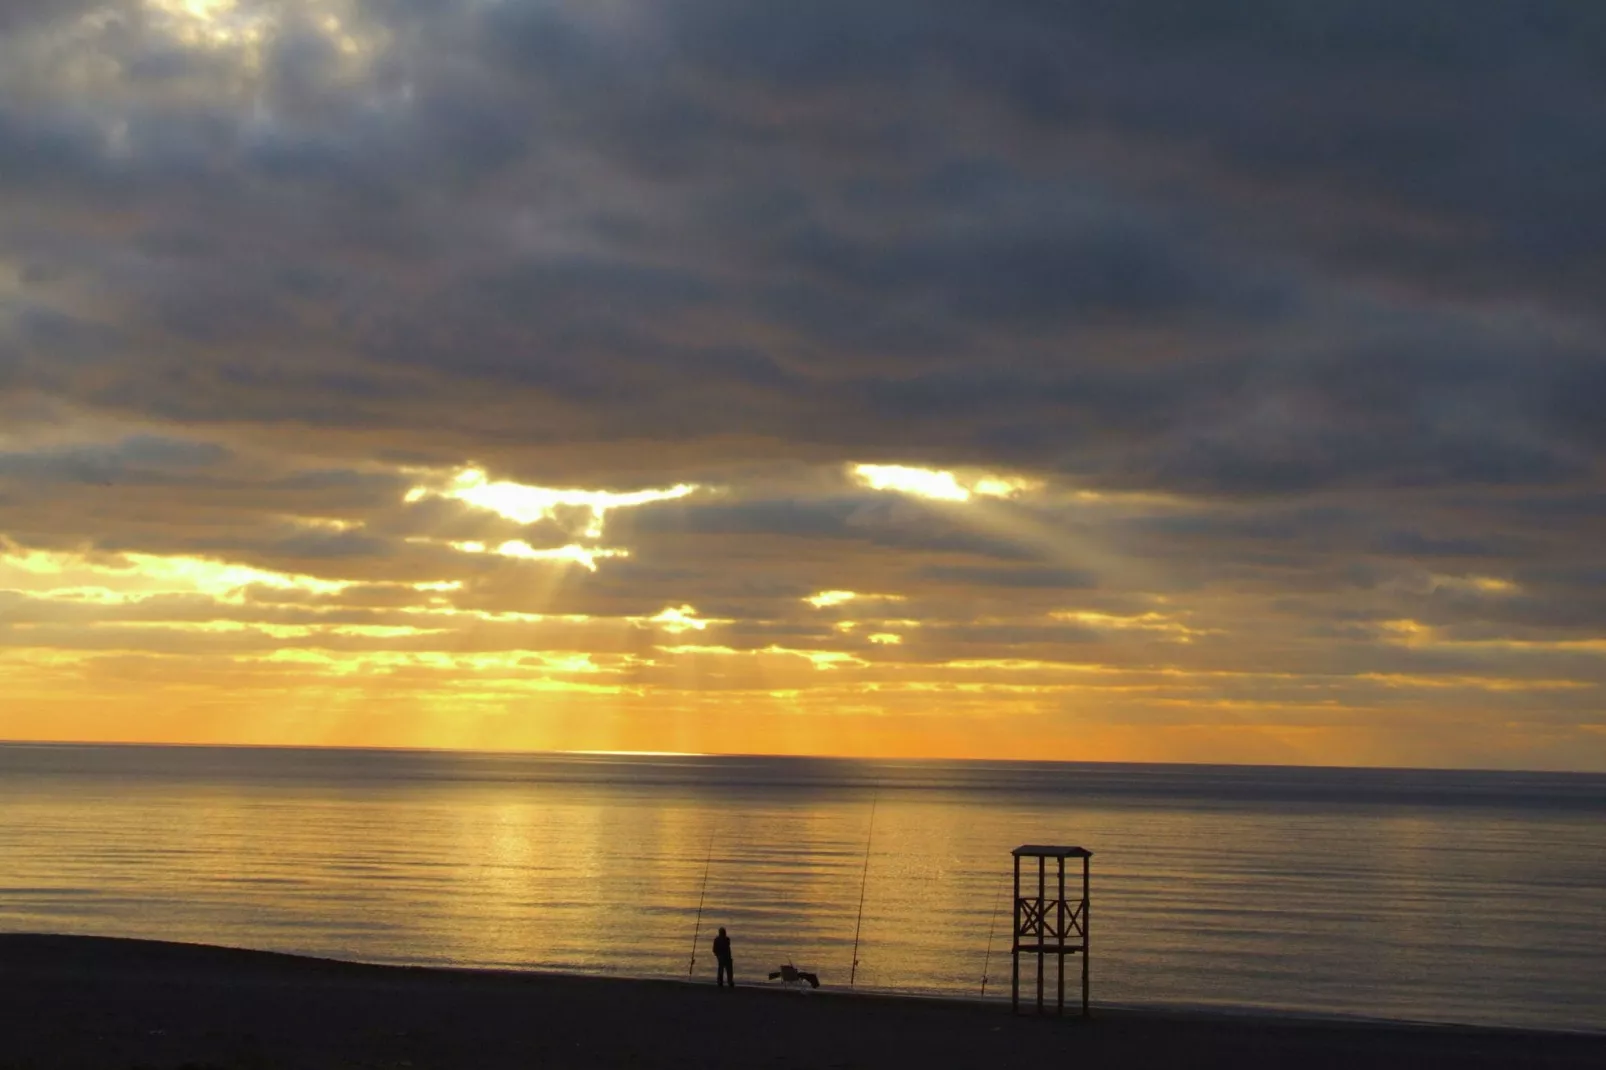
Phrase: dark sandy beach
{"type": "Point", "coordinates": [90, 1003]}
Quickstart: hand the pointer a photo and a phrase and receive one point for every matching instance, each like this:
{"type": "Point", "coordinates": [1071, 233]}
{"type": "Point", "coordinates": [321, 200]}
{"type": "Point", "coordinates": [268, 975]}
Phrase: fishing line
{"type": "Point", "coordinates": [991, 929]}
{"type": "Point", "coordinates": [864, 879]}
{"type": "Point", "coordinates": [697, 931]}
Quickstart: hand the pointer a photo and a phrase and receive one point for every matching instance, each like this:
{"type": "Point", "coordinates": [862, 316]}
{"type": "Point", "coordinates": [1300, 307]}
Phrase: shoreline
{"type": "Point", "coordinates": [1161, 1011]}
{"type": "Point", "coordinates": [85, 1001]}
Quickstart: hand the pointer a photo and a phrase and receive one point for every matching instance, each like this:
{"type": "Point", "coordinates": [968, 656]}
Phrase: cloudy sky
{"type": "Point", "coordinates": [1105, 379]}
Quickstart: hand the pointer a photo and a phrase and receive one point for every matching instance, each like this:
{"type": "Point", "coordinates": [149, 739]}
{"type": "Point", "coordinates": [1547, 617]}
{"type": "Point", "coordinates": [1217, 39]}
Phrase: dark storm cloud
{"type": "Point", "coordinates": [137, 459]}
{"type": "Point", "coordinates": [680, 220]}
{"type": "Point", "coordinates": [1469, 113]}
{"type": "Point", "coordinates": [1410, 543]}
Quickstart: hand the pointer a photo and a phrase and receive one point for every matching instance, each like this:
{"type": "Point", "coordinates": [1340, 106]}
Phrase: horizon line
{"type": "Point", "coordinates": [536, 752]}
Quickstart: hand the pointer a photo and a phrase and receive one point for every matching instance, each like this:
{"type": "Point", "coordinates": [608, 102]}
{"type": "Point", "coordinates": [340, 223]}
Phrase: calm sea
{"type": "Point", "coordinates": [1441, 896]}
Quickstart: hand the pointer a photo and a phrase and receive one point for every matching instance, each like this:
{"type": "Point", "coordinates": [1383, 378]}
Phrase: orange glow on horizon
{"type": "Point", "coordinates": [462, 647]}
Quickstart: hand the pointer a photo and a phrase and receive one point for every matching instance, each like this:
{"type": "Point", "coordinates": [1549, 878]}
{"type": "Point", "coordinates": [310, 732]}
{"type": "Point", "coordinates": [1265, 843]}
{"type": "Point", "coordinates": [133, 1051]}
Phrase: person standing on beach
{"type": "Point", "coordinates": [722, 952]}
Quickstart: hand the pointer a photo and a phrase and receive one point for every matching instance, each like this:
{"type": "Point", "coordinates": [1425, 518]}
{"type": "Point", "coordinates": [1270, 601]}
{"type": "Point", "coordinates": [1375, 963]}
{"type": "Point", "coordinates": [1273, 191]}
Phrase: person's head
{"type": "Point", "coordinates": [722, 930]}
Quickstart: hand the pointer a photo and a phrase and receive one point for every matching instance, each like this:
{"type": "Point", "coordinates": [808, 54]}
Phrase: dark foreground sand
{"type": "Point", "coordinates": [81, 1002]}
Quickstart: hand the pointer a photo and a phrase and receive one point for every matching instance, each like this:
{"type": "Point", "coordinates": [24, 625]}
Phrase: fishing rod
{"type": "Point", "coordinates": [864, 879]}
{"type": "Point", "coordinates": [991, 928]}
{"type": "Point", "coordinates": [697, 931]}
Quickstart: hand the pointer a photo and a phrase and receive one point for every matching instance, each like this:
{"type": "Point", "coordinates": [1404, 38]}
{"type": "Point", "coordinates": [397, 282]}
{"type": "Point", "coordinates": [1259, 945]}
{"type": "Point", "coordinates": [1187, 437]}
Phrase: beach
{"type": "Point", "coordinates": [91, 1003]}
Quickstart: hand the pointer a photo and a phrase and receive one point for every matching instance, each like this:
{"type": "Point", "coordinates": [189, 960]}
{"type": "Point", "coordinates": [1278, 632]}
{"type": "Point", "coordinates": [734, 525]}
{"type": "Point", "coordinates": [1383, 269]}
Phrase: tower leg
{"type": "Point", "coordinates": [1014, 953]}
{"type": "Point", "coordinates": [1059, 923]}
{"type": "Point", "coordinates": [1042, 925]}
{"type": "Point", "coordinates": [1087, 932]}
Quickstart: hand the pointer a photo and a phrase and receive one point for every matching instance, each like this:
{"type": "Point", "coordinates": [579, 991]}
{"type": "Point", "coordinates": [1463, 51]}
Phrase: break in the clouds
{"type": "Point", "coordinates": [1149, 379]}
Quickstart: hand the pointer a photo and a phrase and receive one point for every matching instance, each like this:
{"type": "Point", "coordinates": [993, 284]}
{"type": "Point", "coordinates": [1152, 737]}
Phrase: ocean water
{"type": "Point", "coordinates": [1437, 896]}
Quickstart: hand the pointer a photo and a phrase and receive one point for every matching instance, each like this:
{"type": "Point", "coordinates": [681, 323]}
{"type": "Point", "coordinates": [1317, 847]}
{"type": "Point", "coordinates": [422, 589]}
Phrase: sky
{"type": "Point", "coordinates": [1141, 381]}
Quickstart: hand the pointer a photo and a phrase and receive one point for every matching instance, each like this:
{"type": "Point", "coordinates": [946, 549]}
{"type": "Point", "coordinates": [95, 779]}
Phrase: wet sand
{"type": "Point", "coordinates": [91, 1003]}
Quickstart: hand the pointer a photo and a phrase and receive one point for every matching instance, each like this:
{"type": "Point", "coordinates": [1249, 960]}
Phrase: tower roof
{"type": "Point", "coordinates": [1038, 850]}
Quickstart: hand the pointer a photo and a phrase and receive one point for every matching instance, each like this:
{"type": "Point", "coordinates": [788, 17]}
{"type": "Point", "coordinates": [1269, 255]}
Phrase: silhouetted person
{"type": "Point", "coordinates": [722, 952]}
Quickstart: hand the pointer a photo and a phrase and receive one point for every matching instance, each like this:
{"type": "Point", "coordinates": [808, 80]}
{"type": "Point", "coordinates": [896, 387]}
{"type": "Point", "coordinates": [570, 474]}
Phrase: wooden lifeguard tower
{"type": "Point", "coordinates": [1045, 926]}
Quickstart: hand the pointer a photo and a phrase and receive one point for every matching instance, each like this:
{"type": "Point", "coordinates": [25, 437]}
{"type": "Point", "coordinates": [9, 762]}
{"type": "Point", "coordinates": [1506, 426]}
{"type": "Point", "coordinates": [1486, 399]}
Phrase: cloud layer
{"type": "Point", "coordinates": [1275, 327]}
